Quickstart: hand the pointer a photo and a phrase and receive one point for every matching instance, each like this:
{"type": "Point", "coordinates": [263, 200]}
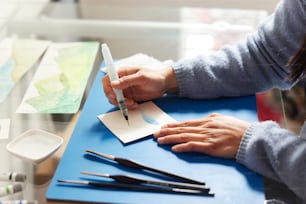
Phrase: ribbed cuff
{"type": "Point", "coordinates": [241, 153]}
{"type": "Point", "coordinates": [178, 67]}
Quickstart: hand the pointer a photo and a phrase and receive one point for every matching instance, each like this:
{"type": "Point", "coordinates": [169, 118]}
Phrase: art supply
{"type": "Point", "coordinates": [10, 189]}
{"type": "Point", "coordinates": [35, 145]}
{"type": "Point", "coordinates": [12, 177]}
{"type": "Point", "coordinates": [17, 57]}
{"type": "Point", "coordinates": [131, 187]}
{"type": "Point", "coordinates": [143, 122]}
{"type": "Point", "coordinates": [136, 165]}
{"type": "Point", "coordinates": [112, 73]}
{"type": "Point", "coordinates": [4, 128]}
{"type": "Point", "coordinates": [134, 180]}
{"type": "Point", "coordinates": [141, 60]}
{"type": "Point", "coordinates": [60, 89]}
{"type": "Point", "coordinates": [18, 202]}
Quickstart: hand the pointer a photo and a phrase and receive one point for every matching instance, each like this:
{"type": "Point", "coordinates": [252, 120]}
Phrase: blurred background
{"type": "Point", "coordinates": [163, 29]}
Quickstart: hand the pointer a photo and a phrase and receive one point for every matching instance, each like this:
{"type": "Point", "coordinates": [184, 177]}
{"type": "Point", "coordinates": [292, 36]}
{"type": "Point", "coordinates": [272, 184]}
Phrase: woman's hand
{"type": "Point", "coordinates": [139, 84]}
{"type": "Point", "coordinates": [215, 135]}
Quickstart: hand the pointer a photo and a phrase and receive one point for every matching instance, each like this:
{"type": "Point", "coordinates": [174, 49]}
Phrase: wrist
{"type": "Point", "coordinates": [171, 85]}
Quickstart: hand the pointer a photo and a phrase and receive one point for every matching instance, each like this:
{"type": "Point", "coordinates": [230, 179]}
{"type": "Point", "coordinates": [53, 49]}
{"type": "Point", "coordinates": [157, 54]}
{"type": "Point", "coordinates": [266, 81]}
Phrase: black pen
{"type": "Point", "coordinates": [135, 180]}
{"type": "Point", "coordinates": [139, 166]}
{"type": "Point", "coordinates": [131, 187]}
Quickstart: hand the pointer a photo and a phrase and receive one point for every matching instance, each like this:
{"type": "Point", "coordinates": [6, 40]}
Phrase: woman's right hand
{"type": "Point", "coordinates": [140, 84]}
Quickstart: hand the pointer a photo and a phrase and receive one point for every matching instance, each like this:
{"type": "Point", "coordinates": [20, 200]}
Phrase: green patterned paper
{"type": "Point", "coordinates": [17, 56]}
{"type": "Point", "coordinates": [61, 79]}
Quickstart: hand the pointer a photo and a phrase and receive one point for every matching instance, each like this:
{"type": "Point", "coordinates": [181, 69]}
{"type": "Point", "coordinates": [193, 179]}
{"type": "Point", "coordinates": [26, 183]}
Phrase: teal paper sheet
{"type": "Point", "coordinates": [231, 182]}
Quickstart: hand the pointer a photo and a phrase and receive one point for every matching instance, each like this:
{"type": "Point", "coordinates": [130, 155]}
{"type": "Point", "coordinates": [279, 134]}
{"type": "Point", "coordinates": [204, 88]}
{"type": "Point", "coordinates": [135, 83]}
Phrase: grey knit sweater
{"type": "Point", "coordinates": [255, 65]}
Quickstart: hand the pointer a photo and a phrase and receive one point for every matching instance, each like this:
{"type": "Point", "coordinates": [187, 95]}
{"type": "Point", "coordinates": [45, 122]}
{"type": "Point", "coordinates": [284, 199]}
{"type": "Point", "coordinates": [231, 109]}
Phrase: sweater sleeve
{"type": "Point", "coordinates": [253, 65]}
{"type": "Point", "coordinates": [275, 153]}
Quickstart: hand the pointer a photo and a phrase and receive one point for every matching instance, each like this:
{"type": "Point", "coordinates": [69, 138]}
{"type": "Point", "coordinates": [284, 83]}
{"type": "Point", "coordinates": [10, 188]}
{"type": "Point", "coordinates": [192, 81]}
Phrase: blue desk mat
{"type": "Point", "coordinates": [231, 182]}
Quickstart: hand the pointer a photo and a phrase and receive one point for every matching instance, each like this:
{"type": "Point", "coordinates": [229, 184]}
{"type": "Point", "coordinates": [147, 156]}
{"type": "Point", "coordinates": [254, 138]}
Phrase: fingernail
{"type": "Point", "coordinates": [116, 82]}
{"type": "Point", "coordinates": [160, 140]}
{"type": "Point", "coordinates": [175, 149]}
{"type": "Point", "coordinates": [129, 102]}
{"type": "Point", "coordinates": [156, 134]}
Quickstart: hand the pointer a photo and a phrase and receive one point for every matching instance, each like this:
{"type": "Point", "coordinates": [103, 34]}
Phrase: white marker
{"type": "Point", "coordinates": [18, 202]}
{"type": "Point", "coordinates": [13, 177]}
{"type": "Point", "coordinates": [10, 189]}
{"type": "Point", "coordinates": [112, 73]}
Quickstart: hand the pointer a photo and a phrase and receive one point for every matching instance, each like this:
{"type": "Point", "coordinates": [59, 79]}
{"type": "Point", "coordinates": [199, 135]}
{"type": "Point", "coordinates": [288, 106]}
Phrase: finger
{"type": "Point", "coordinates": [172, 130]}
{"type": "Point", "coordinates": [128, 79]}
{"type": "Point", "coordinates": [122, 72]}
{"type": "Point", "coordinates": [212, 121]}
{"type": "Point", "coordinates": [131, 104]}
{"type": "Point", "coordinates": [189, 123]}
{"type": "Point", "coordinates": [185, 137]}
{"type": "Point", "coordinates": [214, 115]}
{"type": "Point", "coordinates": [164, 131]}
{"type": "Point", "coordinates": [205, 135]}
{"type": "Point", "coordinates": [108, 90]}
{"type": "Point", "coordinates": [110, 94]}
{"type": "Point", "coordinates": [125, 71]}
{"type": "Point", "coordinates": [112, 101]}
{"type": "Point", "coordinates": [106, 85]}
{"type": "Point", "coordinates": [206, 148]}
{"type": "Point", "coordinates": [193, 146]}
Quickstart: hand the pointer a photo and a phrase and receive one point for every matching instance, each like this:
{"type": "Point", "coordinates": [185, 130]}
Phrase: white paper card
{"type": "Point", "coordinates": [143, 121]}
{"type": "Point", "coordinates": [4, 128]}
{"type": "Point", "coordinates": [141, 60]}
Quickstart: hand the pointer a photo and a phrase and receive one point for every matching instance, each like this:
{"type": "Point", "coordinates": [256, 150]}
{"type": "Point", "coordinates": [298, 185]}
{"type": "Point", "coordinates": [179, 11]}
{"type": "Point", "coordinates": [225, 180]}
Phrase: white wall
{"type": "Point", "coordinates": [95, 26]}
{"type": "Point", "coordinates": [163, 49]}
{"type": "Point", "coordinates": [267, 5]}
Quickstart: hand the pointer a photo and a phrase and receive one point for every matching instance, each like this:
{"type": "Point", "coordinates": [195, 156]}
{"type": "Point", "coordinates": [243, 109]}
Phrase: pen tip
{"type": "Point", "coordinates": [127, 120]}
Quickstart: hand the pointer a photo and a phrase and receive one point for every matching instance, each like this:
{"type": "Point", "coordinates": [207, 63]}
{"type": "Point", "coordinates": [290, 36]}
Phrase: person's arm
{"type": "Point", "coordinates": [275, 153]}
{"type": "Point", "coordinates": [254, 65]}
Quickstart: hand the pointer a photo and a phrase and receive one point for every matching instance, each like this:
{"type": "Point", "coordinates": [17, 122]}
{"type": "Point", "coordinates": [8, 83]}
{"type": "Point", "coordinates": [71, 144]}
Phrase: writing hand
{"type": "Point", "coordinates": [140, 84]}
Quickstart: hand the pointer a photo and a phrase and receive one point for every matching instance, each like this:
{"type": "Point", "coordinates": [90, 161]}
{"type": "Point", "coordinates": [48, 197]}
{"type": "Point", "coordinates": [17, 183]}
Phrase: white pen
{"type": "Point", "coordinates": [12, 176]}
{"type": "Point", "coordinates": [18, 202]}
{"type": "Point", "coordinates": [10, 189]}
{"type": "Point", "coordinates": [112, 73]}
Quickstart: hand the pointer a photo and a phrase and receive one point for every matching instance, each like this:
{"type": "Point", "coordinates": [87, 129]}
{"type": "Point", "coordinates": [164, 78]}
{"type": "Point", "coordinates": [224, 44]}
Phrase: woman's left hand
{"type": "Point", "coordinates": [215, 135]}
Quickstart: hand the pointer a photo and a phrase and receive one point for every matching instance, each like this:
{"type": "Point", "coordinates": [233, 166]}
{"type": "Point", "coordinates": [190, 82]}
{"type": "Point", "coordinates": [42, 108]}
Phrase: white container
{"type": "Point", "coordinates": [34, 145]}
